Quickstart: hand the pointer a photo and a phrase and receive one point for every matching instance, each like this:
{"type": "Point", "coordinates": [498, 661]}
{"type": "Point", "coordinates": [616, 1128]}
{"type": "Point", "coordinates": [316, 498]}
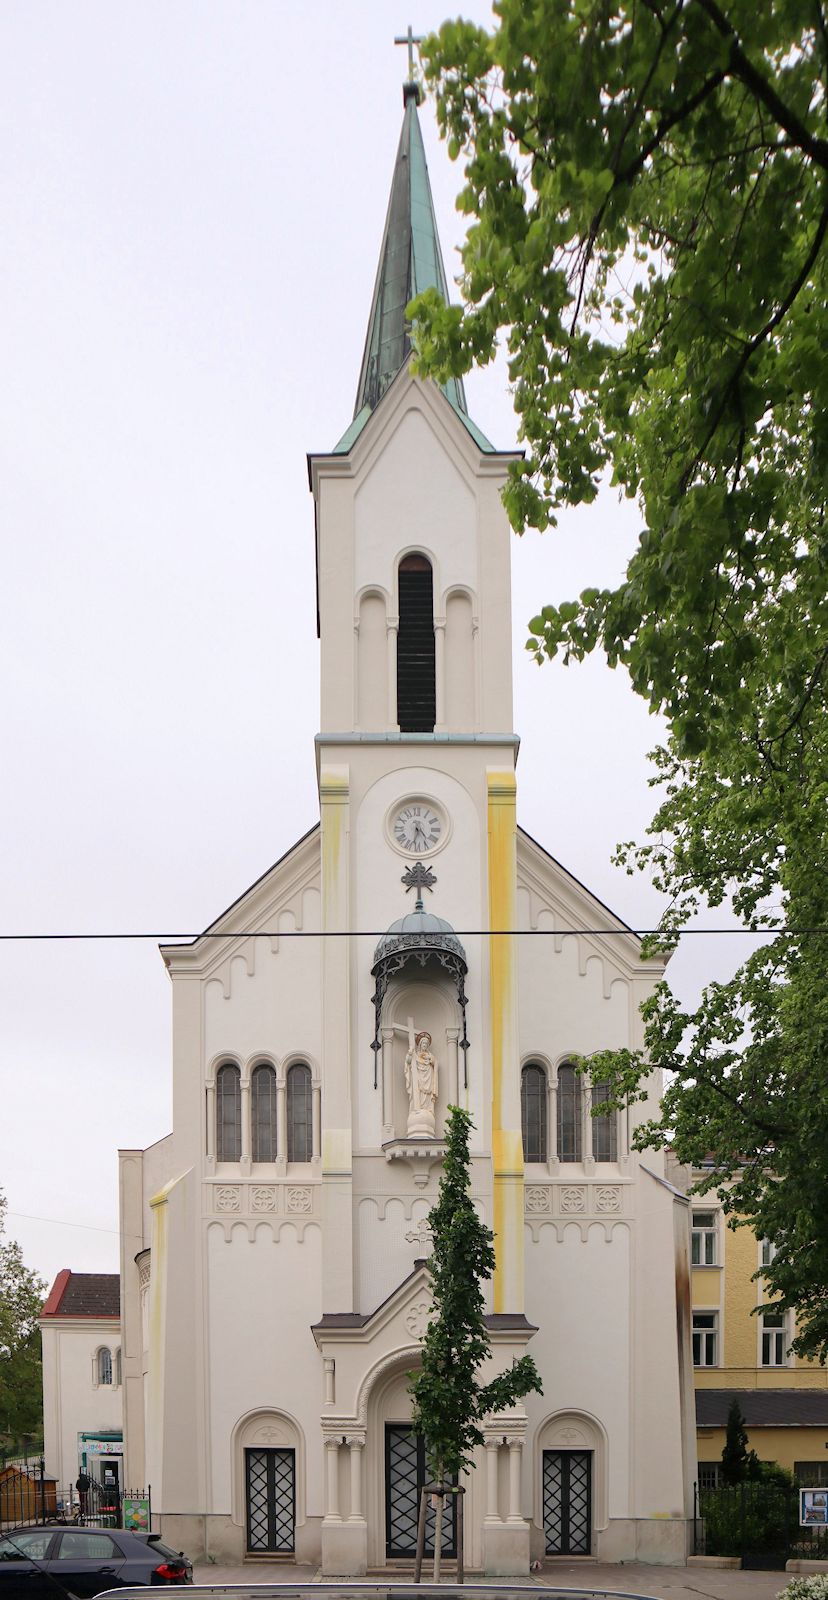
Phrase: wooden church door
{"type": "Point", "coordinates": [567, 1502]}
{"type": "Point", "coordinates": [271, 1501]}
{"type": "Point", "coordinates": [405, 1474]}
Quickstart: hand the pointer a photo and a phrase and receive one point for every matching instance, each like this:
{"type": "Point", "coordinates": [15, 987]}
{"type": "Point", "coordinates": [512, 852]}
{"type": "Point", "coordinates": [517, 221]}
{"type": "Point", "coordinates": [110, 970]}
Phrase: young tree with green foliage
{"type": "Point", "coordinates": [647, 187]}
{"type": "Point", "coordinates": [738, 1462]}
{"type": "Point", "coordinates": [450, 1404]}
{"type": "Point", "coordinates": [22, 1294]}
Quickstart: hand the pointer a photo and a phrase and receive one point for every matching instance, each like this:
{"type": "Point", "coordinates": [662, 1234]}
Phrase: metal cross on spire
{"type": "Point", "coordinates": [410, 39]}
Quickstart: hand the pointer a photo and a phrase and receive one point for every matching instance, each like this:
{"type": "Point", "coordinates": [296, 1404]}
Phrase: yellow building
{"type": "Point", "coordinates": [739, 1350]}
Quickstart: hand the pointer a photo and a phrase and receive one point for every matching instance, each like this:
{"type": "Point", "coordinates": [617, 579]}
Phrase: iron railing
{"type": "Point", "coordinates": [758, 1522]}
{"type": "Point", "coordinates": [30, 1497]}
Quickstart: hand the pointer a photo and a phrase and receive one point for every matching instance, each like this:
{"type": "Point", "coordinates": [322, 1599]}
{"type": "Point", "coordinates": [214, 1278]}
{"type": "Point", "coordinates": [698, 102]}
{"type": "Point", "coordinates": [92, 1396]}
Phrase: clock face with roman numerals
{"type": "Point", "coordinates": [417, 828]}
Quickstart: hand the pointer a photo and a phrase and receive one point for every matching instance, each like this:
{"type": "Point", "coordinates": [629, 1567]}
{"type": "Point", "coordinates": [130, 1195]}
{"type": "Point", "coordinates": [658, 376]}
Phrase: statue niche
{"type": "Point", "coordinates": [420, 969]}
{"type": "Point", "coordinates": [420, 1084]}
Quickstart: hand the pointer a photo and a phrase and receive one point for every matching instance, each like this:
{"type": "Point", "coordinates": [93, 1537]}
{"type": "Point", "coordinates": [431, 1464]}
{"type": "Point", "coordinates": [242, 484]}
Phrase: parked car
{"type": "Point", "coordinates": [86, 1561]}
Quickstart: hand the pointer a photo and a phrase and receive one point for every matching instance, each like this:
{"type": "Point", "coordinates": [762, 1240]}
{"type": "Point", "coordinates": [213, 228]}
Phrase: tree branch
{"type": "Point", "coordinates": [764, 333]}
{"type": "Point", "coordinates": [667, 122]}
{"type": "Point", "coordinates": [808, 695]}
{"type": "Point", "coordinates": [741, 67]}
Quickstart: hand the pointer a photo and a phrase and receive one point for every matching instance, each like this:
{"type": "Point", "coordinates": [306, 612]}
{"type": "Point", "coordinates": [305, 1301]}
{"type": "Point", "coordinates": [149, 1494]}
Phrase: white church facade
{"type": "Point", "coordinates": [273, 1246]}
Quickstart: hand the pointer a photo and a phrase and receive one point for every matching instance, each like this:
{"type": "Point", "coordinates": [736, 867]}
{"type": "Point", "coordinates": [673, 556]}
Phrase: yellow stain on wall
{"type": "Point", "coordinates": [507, 1148]}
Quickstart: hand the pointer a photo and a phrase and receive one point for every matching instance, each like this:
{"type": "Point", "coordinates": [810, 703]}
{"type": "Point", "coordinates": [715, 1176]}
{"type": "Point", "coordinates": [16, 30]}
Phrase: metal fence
{"type": "Point", "coordinates": [29, 1497]}
{"type": "Point", "coordinates": [759, 1522]}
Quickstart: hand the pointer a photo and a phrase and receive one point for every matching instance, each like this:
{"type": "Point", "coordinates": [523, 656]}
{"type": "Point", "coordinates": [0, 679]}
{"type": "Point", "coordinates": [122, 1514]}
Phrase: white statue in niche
{"type": "Point", "coordinates": [421, 1084]}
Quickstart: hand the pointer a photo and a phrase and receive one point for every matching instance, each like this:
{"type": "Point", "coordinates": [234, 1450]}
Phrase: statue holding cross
{"type": "Point", "coordinates": [410, 39]}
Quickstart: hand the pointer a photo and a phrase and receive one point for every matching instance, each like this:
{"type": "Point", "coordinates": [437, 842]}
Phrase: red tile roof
{"type": "Point", "coordinates": [84, 1294]}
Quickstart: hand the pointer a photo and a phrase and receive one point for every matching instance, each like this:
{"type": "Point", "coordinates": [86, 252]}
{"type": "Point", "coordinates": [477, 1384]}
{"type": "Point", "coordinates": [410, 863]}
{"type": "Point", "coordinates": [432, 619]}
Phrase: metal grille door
{"type": "Point", "coordinates": [405, 1474]}
{"type": "Point", "coordinates": [271, 1500]}
{"type": "Point", "coordinates": [567, 1502]}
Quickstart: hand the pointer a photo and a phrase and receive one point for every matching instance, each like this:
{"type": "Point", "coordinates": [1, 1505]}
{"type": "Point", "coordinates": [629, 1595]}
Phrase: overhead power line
{"type": "Point", "coordinates": [60, 1222]}
{"type": "Point", "coordinates": [364, 933]}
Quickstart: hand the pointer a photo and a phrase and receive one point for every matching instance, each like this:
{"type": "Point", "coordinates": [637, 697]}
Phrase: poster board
{"type": "Point", "coordinates": [813, 1508]}
{"type": "Point", "coordinates": [137, 1513]}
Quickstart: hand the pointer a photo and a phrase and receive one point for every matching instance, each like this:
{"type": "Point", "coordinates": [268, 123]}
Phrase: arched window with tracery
{"type": "Point", "coordinates": [299, 1112]}
{"type": "Point", "coordinates": [533, 1119]}
{"type": "Point", "coordinates": [604, 1126]}
{"type": "Point", "coordinates": [263, 1112]}
{"type": "Point", "coordinates": [104, 1366]}
{"type": "Point", "coordinates": [570, 1114]}
{"type": "Point", "coordinates": [228, 1113]}
{"type": "Point", "coordinates": [416, 670]}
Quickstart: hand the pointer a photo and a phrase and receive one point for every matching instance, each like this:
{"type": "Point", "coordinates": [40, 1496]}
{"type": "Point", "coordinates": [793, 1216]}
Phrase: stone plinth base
{"type": "Point", "coordinates": [505, 1549]}
{"type": "Point", "coordinates": [345, 1549]}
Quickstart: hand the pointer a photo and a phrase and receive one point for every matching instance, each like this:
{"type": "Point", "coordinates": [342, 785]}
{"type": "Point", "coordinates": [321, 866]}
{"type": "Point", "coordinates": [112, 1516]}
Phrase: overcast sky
{"type": "Point", "coordinates": [193, 194]}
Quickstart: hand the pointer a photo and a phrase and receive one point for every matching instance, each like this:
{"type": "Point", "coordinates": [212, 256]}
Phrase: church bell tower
{"type": "Point", "coordinates": [416, 761]}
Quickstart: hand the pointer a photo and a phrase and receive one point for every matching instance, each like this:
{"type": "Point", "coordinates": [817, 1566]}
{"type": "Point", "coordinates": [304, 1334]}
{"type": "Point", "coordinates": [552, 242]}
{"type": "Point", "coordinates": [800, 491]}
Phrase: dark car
{"type": "Point", "coordinates": [35, 1562]}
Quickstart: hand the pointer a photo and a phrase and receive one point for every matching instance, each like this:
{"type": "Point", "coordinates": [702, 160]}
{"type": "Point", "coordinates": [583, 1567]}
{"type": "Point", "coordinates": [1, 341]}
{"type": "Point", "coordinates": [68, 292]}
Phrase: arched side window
{"type": "Point", "coordinates": [299, 1113]}
{"type": "Point", "coordinates": [228, 1113]}
{"type": "Point", "coordinates": [604, 1126]}
{"type": "Point", "coordinates": [118, 1376]}
{"type": "Point", "coordinates": [533, 1112]}
{"type": "Point", "coordinates": [263, 1112]}
{"type": "Point", "coordinates": [104, 1366]}
{"type": "Point", "coordinates": [570, 1132]}
{"type": "Point", "coordinates": [416, 679]}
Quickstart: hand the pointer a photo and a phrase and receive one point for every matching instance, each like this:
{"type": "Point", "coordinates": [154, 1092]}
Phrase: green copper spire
{"type": "Point", "coordinates": [410, 261]}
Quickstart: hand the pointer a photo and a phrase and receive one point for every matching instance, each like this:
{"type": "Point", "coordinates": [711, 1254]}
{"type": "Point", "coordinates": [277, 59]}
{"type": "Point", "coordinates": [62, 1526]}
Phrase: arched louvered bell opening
{"type": "Point", "coordinates": [416, 685]}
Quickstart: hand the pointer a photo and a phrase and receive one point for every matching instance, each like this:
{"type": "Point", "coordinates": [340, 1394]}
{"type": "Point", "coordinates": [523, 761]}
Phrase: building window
{"type": "Point", "coordinates": [812, 1474]}
{"type": "Point", "coordinates": [604, 1126]}
{"type": "Point", "coordinates": [104, 1366]}
{"type": "Point", "coordinates": [228, 1113]}
{"type": "Point", "coordinates": [299, 1113]}
{"type": "Point", "coordinates": [263, 1112]}
{"type": "Point", "coordinates": [416, 677]}
{"type": "Point", "coordinates": [710, 1474]}
{"type": "Point", "coordinates": [569, 1114]}
{"type": "Point", "coordinates": [118, 1378]}
{"type": "Point", "coordinates": [774, 1339]}
{"type": "Point", "coordinates": [768, 1252]}
{"type": "Point", "coordinates": [703, 1251]}
{"type": "Point", "coordinates": [705, 1338]}
{"type": "Point", "coordinates": [533, 1112]}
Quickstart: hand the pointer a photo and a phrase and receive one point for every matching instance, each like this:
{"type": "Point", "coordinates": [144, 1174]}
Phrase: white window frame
{"type": "Point", "coordinates": [774, 1338]}
{"type": "Point", "coordinates": [708, 1337]}
{"type": "Point", "coordinates": [99, 1382]}
{"type": "Point", "coordinates": [707, 1235]}
{"type": "Point", "coordinates": [767, 1252]}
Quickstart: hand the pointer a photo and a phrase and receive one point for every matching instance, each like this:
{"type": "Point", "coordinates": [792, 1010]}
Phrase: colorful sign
{"type": "Point", "coordinates": [813, 1508]}
{"type": "Point", "coordinates": [137, 1514]}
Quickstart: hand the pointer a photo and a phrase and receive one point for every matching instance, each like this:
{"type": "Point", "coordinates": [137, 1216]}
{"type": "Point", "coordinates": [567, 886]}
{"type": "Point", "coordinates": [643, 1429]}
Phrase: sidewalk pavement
{"type": "Point", "coordinates": [662, 1583]}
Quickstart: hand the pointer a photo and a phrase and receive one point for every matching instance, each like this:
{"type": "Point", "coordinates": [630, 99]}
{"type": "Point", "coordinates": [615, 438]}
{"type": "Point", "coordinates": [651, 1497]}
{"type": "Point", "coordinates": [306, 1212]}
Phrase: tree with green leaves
{"type": "Point", "coordinates": [450, 1404]}
{"type": "Point", "coordinates": [738, 1461]}
{"type": "Point", "coordinates": [647, 189]}
{"type": "Point", "coordinates": [22, 1294]}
